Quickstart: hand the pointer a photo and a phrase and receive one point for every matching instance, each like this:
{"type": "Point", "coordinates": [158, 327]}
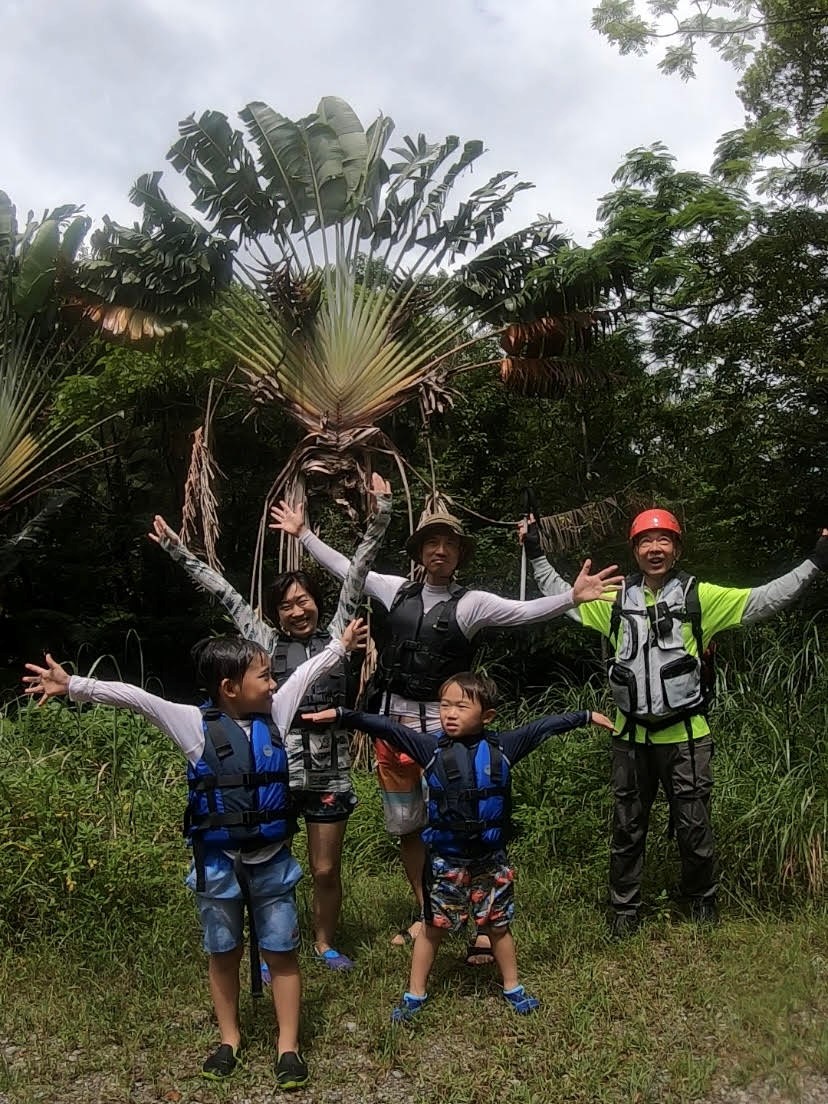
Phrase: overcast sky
{"type": "Point", "coordinates": [92, 90]}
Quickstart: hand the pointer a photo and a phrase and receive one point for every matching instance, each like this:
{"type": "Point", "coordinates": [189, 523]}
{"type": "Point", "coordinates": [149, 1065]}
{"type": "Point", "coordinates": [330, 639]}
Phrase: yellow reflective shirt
{"type": "Point", "coordinates": [721, 608]}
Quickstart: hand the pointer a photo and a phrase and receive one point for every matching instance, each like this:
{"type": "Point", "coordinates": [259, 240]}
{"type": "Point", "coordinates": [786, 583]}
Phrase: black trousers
{"type": "Point", "coordinates": [637, 770]}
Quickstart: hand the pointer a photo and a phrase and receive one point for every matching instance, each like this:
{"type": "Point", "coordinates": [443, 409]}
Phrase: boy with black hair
{"type": "Point", "coordinates": [467, 771]}
{"type": "Point", "coordinates": [239, 817]}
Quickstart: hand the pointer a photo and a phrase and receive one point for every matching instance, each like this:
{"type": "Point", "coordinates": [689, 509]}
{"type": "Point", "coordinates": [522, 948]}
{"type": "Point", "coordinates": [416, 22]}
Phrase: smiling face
{"type": "Point", "coordinates": [440, 553]}
{"type": "Point", "coordinates": [250, 694]}
{"type": "Point", "coordinates": [656, 553]}
{"type": "Point", "coordinates": [298, 612]}
{"type": "Point", "coordinates": [460, 715]}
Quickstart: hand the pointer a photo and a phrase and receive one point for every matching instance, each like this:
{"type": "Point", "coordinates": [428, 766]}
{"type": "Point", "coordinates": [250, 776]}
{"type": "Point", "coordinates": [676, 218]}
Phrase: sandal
{"type": "Point", "coordinates": [520, 1000]}
{"type": "Point", "coordinates": [479, 956]}
{"type": "Point", "coordinates": [404, 938]}
{"type": "Point", "coordinates": [334, 959]}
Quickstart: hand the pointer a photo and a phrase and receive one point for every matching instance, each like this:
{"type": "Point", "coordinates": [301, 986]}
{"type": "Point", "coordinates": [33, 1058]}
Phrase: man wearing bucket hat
{"type": "Point", "coordinates": [432, 632]}
{"type": "Point", "coordinates": [658, 629]}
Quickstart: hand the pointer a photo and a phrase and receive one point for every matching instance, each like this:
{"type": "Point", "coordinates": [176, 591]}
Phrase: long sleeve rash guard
{"type": "Point", "coordinates": [476, 610]}
{"type": "Point", "coordinates": [184, 723]}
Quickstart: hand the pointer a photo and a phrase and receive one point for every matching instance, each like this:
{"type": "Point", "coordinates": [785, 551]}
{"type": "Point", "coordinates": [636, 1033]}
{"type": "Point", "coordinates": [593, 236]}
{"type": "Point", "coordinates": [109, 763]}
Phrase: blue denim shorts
{"type": "Point", "coordinates": [273, 894]}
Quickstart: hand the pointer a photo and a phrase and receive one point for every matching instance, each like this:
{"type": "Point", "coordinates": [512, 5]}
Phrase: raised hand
{"type": "Point", "coordinates": [378, 486]}
{"type": "Point", "coordinates": [327, 716]}
{"type": "Point", "coordinates": [49, 681]}
{"type": "Point", "coordinates": [601, 721]}
{"type": "Point", "coordinates": [529, 536]}
{"type": "Point", "coordinates": [820, 552]}
{"type": "Point", "coordinates": [161, 532]}
{"type": "Point", "coordinates": [289, 519]}
{"type": "Point", "coordinates": [601, 587]}
{"type": "Point", "coordinates": [355, 635]}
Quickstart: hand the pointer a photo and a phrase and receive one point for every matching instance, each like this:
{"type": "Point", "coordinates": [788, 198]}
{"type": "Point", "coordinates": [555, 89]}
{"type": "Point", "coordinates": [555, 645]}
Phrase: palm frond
{"type": "Point", "coordinates": [572, 528]}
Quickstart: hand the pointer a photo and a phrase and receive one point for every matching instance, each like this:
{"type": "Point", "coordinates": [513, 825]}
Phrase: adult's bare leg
{"type": "Point", "coordinates": [325, 841]}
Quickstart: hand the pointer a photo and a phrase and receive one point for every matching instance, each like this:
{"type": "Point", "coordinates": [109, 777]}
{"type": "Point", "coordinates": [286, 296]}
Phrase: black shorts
{"type": "Point", "coordinates": [324, 807]}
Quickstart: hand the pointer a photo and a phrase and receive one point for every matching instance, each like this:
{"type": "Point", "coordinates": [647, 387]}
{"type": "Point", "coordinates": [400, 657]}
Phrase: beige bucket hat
{"type": "Point", "coordinates": [439, 520]}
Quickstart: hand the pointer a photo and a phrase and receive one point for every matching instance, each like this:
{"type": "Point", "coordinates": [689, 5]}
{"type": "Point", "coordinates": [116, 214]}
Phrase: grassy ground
{"type": "Point", "coordinates": [103, 993]}
{"type": "Point", "coordinates": [675, 1014]}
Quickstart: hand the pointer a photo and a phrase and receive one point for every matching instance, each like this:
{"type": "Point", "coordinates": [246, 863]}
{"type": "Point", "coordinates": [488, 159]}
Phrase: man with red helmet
{"type": "Point", "coordinates": [658, 629]}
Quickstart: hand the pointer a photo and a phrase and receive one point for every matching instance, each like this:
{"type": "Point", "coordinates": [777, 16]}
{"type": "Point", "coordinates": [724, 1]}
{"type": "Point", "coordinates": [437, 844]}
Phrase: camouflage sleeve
{"type": "Point", "coordinates": [249, 624]}
{"type": "Point", "coordinates": [354, 581]}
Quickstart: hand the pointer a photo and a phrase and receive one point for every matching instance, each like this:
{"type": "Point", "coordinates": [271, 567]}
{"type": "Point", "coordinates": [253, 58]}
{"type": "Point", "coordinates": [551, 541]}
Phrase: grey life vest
{"type": "Point", "coordinates": [321, 752]}
{"type": "Point", "coordinates": [654, 680]}
{"type": "Point", "coordinates": [422, 649]}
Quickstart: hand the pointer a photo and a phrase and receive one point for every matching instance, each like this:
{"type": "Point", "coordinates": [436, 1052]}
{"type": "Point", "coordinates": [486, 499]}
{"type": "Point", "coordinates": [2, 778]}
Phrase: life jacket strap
{"type": "Point", "coordinates": [246, 818]}
{"type": "Point", "coordinates": [232, 781]}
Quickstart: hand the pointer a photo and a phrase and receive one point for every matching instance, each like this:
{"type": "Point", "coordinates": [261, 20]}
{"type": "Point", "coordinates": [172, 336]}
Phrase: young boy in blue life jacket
{"type": "Point", "coordinates": [239, 817]}
{"type": "Point", "coordinates": [467, 873]}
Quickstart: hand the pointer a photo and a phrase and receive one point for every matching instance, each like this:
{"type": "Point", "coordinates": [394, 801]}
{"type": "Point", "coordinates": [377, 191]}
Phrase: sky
{"type": "Point", "coordinates": [93, 90]}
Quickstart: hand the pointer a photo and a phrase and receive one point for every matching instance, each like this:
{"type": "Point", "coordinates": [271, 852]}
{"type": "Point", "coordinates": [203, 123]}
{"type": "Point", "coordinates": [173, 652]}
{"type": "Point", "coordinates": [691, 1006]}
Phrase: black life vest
{"type": "Point", "coordinates": [337, 687]}
{"type": "Point", "coordinates": [422, 649]}
{"type": "Point", "coordinates": [469, 798]}
{"type": "Point", "coordinates": [239, 798]}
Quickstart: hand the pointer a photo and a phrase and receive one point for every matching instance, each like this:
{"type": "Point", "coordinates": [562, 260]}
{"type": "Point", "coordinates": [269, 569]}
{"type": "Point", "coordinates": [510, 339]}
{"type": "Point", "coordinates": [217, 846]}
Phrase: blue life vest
{"type": "Point", "coordinates": [469, 798]}
{"type": "Point", "coordinates": [238, 790]}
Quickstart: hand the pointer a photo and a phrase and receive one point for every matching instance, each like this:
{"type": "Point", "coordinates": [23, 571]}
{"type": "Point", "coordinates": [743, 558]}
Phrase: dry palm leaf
{"type": "Point", "coordinates": [572, 528]}
{"type": "Point", "coordinates": [200, 511]}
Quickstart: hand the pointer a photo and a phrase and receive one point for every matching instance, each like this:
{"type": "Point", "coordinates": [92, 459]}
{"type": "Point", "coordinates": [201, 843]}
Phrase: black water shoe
{"type": "Point", "coordinates": [623, 924]}
{"type": "Point", "coordinates": [291, 1071]}
{"type": "Point", "coordinates": [222, 1063]}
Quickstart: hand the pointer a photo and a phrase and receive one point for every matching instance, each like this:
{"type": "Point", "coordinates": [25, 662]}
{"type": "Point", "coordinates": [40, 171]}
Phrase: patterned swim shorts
{"type": "Point", "coordinates": [483, 889]}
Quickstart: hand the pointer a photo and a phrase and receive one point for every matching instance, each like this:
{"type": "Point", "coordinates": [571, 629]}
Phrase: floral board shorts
{"type": "Point", "coordinates": [454, 890]}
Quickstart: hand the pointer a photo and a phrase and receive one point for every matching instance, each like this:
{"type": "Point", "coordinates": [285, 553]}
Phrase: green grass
{"type": "Point", "coordinates": [660, 1018]}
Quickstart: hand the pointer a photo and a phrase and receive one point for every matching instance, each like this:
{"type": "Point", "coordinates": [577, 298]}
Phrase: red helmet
{"type": "Point", "coordinates": [654, 519]}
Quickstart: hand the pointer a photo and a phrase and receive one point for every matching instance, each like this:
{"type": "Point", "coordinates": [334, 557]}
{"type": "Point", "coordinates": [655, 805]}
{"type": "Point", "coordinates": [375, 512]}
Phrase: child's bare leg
{"type": "Point", "coordinates": [223, 971]}
{"type": "Point", "coordinates": [422, 958]}
{"type": "Point", "coordinates": [503, 949]}
{"type": "Point", "coordinates": [286, 988]}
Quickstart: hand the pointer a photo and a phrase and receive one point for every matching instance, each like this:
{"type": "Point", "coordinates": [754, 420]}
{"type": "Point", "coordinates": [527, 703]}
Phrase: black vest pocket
{"type": "Point", "coordinates": [680, 682]}
{"type": "Point", "coordinates": [622, 684]}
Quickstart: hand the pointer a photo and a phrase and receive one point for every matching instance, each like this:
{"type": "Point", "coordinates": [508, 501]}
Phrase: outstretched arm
{"type": "Point", "coordinates": [478, 609]}
{"type": "Point", "coordinates": [292, 521]}
{"type": "Point", "coordinates": [182, 723]}
{"type": "Point", "coordinates": [764, 601]}
{"type": "Point", "coordinates": [245, 620]}
{"type": "Point", "coordinates": [353, 584]}
{"type": "Point", "coordinates": [420, 746]}
{"type": "Point", "coordinates": [518, 743]}
{"type": "Point", "coordinates": [593, 615]}
{"type": "Point", "coordinates": [286, 700]}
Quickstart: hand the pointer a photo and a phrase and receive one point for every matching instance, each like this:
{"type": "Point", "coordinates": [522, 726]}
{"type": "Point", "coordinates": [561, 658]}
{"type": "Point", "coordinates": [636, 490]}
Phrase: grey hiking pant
{"type": "Point", "coordinates": [637, 770]}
